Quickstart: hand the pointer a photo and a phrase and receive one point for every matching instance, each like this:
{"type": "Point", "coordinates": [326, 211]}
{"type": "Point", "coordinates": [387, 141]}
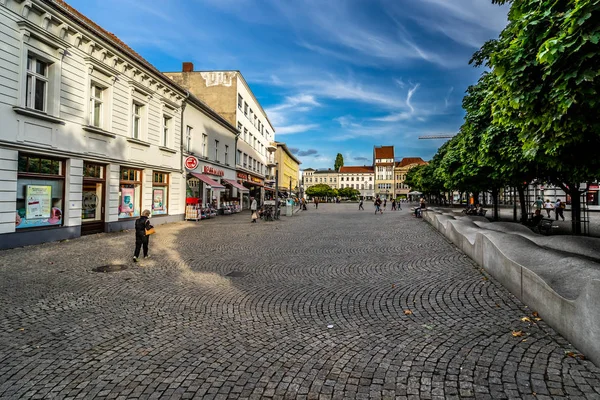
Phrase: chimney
{"type": "Point", "coordinates": [188, 67]}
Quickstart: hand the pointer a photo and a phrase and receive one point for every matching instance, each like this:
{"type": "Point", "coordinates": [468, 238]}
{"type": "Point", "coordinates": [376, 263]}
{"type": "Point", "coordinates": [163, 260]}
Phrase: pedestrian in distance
{"type": "Point", "coordinates": [360, 205]}
{"type": "Point", "coordinates": [393, 204]}
{"type": "Point", "coordinates": [559, 208]}
{"type": "Point", "coordinates": [378, 205]}
{"type": "Point", "coordinates": [253, 209]}
{"type": "Point", "coordinates": [143, 230]}
{"type": "Point", "coordinates": [548, 206]}
{"type": "Point", "coordinates": [399, 205]}
{"type": "Point", "coordinates": [316, 203]}
{"type": "Point", "coordinates": [538, 203]}
{"type": "Point", "coordinates": [384, 203]}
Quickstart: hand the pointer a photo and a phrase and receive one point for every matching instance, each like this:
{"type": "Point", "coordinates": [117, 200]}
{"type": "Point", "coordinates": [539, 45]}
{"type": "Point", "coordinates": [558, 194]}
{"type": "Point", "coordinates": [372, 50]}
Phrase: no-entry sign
{"type": "Point", "coordinates": [191, 162]}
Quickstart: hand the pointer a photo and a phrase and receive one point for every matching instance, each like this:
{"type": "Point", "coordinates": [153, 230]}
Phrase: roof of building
{"type": "Point", "coordinates": [288, 152]}
{"type": "Point", "coordinates": [365, 169]}
{"type": "Point", "coordinates": [87, 23]}
{"type": "Point", "coordinates": [384, 152]}
{"type": "Point", "coordinates": [326, 171]}
{"type": "Point", "coordinates": [410, 160]}
{"type": "Point", "coordinates": [308, 169]}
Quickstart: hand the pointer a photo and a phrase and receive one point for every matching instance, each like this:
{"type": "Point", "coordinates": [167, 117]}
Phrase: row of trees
{"type": "Point", "coordinates": [534, 115]}
{"type": "Point", "coordinates": [323, 190]}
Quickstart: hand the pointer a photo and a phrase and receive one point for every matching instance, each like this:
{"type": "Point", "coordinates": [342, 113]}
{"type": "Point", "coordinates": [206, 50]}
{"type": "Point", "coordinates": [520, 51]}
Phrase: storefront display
{"type": "Point", "coordinates": [92, 214]}
{"type": "Point", "coordinates": [160, 189]}
{"type": "Point", "coordinates": [40, 188]}
{"type": "Point", "coordinates": [130, 193]}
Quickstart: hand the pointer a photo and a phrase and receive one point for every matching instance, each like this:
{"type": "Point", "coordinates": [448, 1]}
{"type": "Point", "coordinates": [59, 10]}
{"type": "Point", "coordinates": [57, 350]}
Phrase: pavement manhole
{"type": "Point", "coordinates": [110, 268]}
{"type": "Point", "coordinates": [237, 274]}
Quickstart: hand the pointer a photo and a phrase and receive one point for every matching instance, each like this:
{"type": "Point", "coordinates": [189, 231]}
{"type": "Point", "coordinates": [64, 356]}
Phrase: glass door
{"type": "Point", "coordinates": [92, 199]}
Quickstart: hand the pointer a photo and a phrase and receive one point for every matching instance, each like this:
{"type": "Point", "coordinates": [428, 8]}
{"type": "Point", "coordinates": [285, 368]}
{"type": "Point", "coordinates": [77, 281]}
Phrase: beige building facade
{"type": "Point", "coordinates": [383, 163]}
{"type": "Point", "coordinates": [288, 170]}
{"type": "Point", "coordinates": [228, 93]}
{"type": "Point", "coordinates": [358, 177]}
{"type": "Point", "coordinates": [400, 170]}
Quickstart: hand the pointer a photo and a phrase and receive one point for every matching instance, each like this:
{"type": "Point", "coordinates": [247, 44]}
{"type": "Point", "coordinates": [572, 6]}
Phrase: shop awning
{"type": "Point", "coordinates": [213, 184]}
{"type": "Point", "coordinates": [269, 188]}
{"type": "Point", "coordinates": [236, 185]}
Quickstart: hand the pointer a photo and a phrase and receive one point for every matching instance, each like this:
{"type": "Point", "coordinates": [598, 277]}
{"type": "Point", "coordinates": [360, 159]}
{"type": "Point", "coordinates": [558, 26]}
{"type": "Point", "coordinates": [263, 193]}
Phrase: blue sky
{"type": "Point", "coordinates": [333, 75]}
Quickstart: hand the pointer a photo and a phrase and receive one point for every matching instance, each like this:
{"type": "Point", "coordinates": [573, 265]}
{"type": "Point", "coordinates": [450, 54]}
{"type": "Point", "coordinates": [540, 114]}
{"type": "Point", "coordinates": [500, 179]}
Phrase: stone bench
{"type": "Point", "coordinates": [557, 276]}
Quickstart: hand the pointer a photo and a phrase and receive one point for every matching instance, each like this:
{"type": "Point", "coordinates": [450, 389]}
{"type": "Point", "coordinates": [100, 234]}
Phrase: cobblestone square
{"type": "Point", "coordinates": [329, 304]}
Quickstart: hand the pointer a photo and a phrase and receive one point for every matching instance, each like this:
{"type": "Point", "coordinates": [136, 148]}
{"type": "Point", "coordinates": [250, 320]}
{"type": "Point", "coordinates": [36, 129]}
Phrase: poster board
{"type": "Point", "coordinates": [127, 200]}
{"type": "Point", "coordinates": [38, 202]}
{"type": "Point", "coordinates": [158, 200]}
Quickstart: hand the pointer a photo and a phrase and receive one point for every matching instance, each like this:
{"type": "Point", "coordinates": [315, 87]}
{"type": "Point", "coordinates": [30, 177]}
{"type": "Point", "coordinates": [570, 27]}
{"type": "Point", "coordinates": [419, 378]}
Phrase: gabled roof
{"type": "Point", "coordinates": [356, 169]}
{"type": "Point", "coordinates": [308, 169]}
{"type": "Point", "coordinates": [410, 160]}
{"type": "Point", "coordinates": [384, 152]}
{"type": "Point", "coordinates": [326, 171]}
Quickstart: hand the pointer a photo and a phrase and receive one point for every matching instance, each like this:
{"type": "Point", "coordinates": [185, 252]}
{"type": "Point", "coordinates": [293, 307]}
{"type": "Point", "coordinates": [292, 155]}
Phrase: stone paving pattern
{"type": "Point", "coordinates": [175, 326]}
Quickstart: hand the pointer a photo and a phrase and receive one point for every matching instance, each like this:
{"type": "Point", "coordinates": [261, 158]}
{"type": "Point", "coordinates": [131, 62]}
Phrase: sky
{"type": "Point", "coordinates": [334, 76]}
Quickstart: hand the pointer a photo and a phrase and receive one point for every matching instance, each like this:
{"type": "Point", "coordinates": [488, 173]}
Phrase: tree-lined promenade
{"type": "Point", "coordinates": [533, 116]}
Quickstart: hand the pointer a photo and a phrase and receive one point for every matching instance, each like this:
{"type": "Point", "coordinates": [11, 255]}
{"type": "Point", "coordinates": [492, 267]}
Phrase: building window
{"type": "Point", "coordinates": [40, 192]}
{"type": "Point", "coordinates": [226, 155]}
{"type": "Point", "coordinates": [137, 120]}
{"type": "Point", "coordinates": [36, 90]}
{"type": "Point", "coordinates": [246, 135]}
{"type": "Point", "coordinates": [251, 140]}
{"type": "Point", "coordinates": [240, 101]}
{"type": "Point", "coordinates": [246, 109]}
{"type": "Point", "coordinates": [166, 127]}
{"type": "Point", "coordinates": [204, 145]}
{"type": "Point", "coordinates": [97, 106]}
{"type": "Point", "coordinates": [240, 127]}
{"type": "Point", "coordinates": [160, 193]}
{"type": "Point", "coordinates": [130, 193]}
{"type": "Point", "coordinates": [188, 138]}
{"type": "Point", "coordinates": [238, 160]}
{"type": "Point", "coordinates": [216, 150]}
{"type": "Point", "coordinates": [245, 160]}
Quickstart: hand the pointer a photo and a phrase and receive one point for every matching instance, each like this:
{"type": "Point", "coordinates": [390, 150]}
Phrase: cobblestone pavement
{"type": "Point", "coordinates": [319, 313]}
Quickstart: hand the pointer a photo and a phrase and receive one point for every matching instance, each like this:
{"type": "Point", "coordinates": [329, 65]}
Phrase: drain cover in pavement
{"type": "Point", "coordinates": [110, 268]}
{"type": "Point", "coordinates": [237, 274]}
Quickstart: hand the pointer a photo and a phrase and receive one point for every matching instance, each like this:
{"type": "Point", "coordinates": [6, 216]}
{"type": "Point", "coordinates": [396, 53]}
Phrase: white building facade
{"type": "Point", "coordinates": [90, 132]}
{"type": "Point", "coordinates": [359, 178]}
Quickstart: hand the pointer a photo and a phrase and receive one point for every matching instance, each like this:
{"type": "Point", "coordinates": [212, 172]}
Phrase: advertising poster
{"type": "Point", "coordinates": [38, 202]}
{"type": "Point", "coordinates": [127, 200]}
{"type": "Point", "coordinates": [158, 196]}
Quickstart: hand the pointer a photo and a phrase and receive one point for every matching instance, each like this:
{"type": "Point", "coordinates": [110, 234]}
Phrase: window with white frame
{"type": "Point", "coordinates": [137, 121]}
{"type": "Point", "coordinates": [240, 101]}
{"type": "Point", "coordinates": [36, 86]}
{"type": "Point", "coordinates": [204, 145]}
{"type": "Point", "coordinates": [246, 135]}
{"type": "Point", "coordinates": [216, 150]}
{"type": "Point", "coordinates": [238, 160]}
{"type": "Point", "coordinates": [245, 160]}
{"type": "Point", "coordinates": [188, 138]}
{"type": "Point", "coordinates": [97, 105]}
{"type": "Point", "coordinates": [240, 127]}
{"type": "Point", "coordinates": [165, 130]}
{"type": "Point", "coordinates": [245, 109]}
{"type": "Point", "coordinates": [226, 155]}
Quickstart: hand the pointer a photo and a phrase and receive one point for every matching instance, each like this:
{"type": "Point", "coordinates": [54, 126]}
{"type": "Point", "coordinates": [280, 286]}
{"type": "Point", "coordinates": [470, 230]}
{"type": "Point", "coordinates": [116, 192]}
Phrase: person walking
{"type": "Point", "coordinates": [399, 205]}
{"type": "Point", "coordinates": [393, 204]}
{"type": "Point", "coordinates": [378, 205]}
{"type": "Point", "coordinates": [384, 203]}
{"type": "Point", "coordinates": [316, 203]}
{"type": "Point", "coordinates": [360, 205]}
{"type": "Point", "coordinates": [141, 238]}
{"type": "Point", "coordinates": [538, 203]}
{"type": "Point", "coordinates": [559, 208]}
{"type": "Point", "coordinates": [548, 207]}
{"type": "Point", "coordinates": [253, 209]}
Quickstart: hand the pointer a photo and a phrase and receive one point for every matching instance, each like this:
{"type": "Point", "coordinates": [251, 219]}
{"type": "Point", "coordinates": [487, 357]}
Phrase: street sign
{"type": "Point", "coordinates": [191, 162]}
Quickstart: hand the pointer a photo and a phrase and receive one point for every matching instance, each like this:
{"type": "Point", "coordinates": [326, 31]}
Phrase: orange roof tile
{"type": "Point", "coordinates": [384, 152]}
{"type": "Point", "coordinates": [411, 160]}
{"type": "Point", "coordinates": [356, 170]}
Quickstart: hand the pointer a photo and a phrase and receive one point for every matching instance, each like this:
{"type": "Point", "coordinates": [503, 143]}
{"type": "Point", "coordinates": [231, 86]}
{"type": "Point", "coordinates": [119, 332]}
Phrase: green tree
{"type": "Point", "coordinates": [320, 190]}
{"type": "Point", "coordinates": [547, 88]}
{"type": "Point", "coordinates": [339, 161]}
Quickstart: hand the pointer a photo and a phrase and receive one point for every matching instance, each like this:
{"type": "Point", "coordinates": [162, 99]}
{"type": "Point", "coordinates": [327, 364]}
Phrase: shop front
{"type": "Point", "coordinates": [92, 198]}
{"type": "Point", "coordinates": [255, 186]}
{"type": "Point", "coordinates": [206, 184]}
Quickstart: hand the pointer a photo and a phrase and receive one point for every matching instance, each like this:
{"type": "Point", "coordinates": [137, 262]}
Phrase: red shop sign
{"type": "Point", "coordinates": [191, 162]}
{"type": "Point", "coordinates": [213, 171]}
{"type": "Point", "coordinates": [242, 176]}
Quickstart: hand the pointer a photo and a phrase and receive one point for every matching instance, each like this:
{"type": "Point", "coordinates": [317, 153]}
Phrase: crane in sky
{"type": "Point", "coordinates": [436, 137]}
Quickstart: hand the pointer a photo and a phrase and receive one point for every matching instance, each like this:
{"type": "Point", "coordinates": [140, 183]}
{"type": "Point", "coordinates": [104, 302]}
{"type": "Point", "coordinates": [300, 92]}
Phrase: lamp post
{"type": "Point", "coordinates": [290, 192]}
{"type": "Point", "coordinates": [276, 187]}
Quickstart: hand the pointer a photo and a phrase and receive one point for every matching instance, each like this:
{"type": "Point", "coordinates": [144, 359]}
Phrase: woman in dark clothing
{"type": "Point", "coordinates": [141, 239]}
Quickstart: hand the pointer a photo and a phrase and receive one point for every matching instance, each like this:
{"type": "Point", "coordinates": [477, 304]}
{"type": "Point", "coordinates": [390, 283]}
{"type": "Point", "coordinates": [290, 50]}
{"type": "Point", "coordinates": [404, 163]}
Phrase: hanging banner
{"type": "Point", "coordinates": [158, 196]}
{"type": "Point", "coordinates": [39, 201]}
{"type": "Point", "coordinates": [127, 197]}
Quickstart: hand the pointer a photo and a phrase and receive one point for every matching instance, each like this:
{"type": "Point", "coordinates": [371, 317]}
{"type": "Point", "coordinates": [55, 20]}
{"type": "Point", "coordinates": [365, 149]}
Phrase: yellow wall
{"type": "Point", "coordinates": [287, 168]}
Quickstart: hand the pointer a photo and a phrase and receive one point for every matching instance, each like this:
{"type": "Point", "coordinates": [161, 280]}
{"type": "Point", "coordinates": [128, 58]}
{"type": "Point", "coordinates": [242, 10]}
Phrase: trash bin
{"type": "Point", "coordinates": [289, 207]}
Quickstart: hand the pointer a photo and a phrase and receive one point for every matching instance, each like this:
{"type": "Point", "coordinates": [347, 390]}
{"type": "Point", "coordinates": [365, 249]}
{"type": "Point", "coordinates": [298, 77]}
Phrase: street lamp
{"type": "Point", "coordinates": [276, 187]}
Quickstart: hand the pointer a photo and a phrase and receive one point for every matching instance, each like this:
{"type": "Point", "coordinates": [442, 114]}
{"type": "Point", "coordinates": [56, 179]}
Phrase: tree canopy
{"type": "Point", "coordinates": [339, 162]}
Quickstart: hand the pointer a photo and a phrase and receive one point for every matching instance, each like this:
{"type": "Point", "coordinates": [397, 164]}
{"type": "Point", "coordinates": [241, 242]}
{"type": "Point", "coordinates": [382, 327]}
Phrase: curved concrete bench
{"type": "Point", "coordinates": [558, 276]}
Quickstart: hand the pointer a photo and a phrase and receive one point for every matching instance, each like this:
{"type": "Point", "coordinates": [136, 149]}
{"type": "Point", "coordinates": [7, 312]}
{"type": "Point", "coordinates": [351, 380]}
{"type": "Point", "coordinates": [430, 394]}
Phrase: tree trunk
{"type": "Point", "coordinates": [521, 190]}
{"type": "Point", "coordinates": [475, 197]}
{"type": "Point", "coordinates": [514, 200]}
{"type": "Point", "coordinates": [575, 208]}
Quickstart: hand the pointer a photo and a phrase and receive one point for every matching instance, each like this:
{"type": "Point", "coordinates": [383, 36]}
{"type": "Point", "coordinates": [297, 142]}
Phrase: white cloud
{"type": "Point", "coordinates": [291, 129]}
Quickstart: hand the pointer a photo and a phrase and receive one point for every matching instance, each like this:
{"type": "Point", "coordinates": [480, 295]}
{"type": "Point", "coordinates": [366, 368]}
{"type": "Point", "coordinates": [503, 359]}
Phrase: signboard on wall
{"type": "Point", "coordinates": [38, 201]}
{"type": "Point", "coordinates": [213, 171]}
{"type": "Point", "coordinates": [158, 199]}
{"type": "Point", "coordinates": [242, 176]}
{"type": "Point", "coordinates": [191, 162]}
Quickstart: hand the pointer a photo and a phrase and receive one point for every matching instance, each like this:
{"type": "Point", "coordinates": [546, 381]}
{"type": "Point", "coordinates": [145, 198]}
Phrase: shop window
{"type": "Point", "coordinates": [93, 192]}
{"type": "Point", "coordinates": [130, 193]}
{"type": "Point", "coordinates": [40, 192]}
{"type": "Point", "coordinates": [160, 193]}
